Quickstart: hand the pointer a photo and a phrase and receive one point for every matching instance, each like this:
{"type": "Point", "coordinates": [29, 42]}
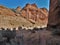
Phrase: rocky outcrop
{"type": "Point", "coordinates": [18, 9]}
{"type": "Point", "coordinates": [9, 18]}
{"type": "Point", "coordinates": [6, 11]}
{"type": "Point", "coordinates": [29, 16]}
{"type": "Point", "coordinates": [34, 14]}
{"type": "Point", "coordinates": [54, 14]}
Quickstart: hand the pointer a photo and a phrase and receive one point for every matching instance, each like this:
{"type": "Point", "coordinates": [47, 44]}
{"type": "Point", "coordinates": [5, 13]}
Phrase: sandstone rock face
{"type": "Point", "coordinates": [9, 19]}
{"type": "Point", "coordinates": [34, 14]}
{"type": "Point", "coordinates": [54, 13]}
{"type": "Point", "coordinates": [18, 9]}
{"type": "Point", "coordinates": [6, 11]}
{"type": "Point", "coordinates": [29, 16]}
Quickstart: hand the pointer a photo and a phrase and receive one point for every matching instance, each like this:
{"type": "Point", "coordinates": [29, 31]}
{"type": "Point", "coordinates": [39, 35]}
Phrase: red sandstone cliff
{"type": "Point", "coordinates": [30, 15]}
{"type": "Point", "coordinates": [34, 14]}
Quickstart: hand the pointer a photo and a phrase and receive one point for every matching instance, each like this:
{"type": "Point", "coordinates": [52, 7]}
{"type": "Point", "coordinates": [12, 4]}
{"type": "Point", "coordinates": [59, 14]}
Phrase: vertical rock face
{"type": "Point", "coordinates": [18, 9]}
{"type": "Point", "coordinates": [54, 13]}
{"type": "Point", "coordinates": [35, 14]}
{"type": "Point", "coordinates": [30, 15]}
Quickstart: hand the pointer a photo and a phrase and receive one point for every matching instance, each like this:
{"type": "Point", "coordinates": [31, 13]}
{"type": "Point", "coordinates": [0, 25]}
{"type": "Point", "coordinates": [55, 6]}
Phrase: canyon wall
{"type": "Point", "coordinates": [54, 14]}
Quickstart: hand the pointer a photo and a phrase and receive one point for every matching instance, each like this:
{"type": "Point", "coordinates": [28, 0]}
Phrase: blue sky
{"type": "Point", "coordinates": [22, 3]}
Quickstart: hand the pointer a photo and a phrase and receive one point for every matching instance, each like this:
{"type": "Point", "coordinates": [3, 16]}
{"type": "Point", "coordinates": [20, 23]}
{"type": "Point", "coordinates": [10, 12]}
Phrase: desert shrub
{"type": "Point", "coordinates": [2, 29]}
{"type": "Point", "coordinates": [19, 28]}
{"type": "Point", "coordinates": [36, 29]}
{"type": "Point", "coordinates": [41, 28]}
{"type": "Point", "coordinates": [32, 31]}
